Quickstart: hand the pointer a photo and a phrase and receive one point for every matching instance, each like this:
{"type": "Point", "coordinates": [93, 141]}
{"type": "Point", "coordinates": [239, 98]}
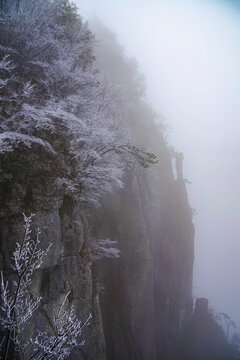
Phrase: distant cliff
{"type": "Point", "coordinates": [147, 301]}
{"type": "Point", "coordinates": [204, 338]}
{"type": "Point", "coordinates": [147, 296]}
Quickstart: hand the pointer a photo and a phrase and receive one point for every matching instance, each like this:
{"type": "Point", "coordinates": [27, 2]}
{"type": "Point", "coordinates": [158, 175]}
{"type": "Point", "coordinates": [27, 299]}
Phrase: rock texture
{"type": "Point", "coordinates": [145, 309]}
{"type": "Point", "coordinates": [67, 266]}
{"type": "Point", "coordinates": [147, 297]}
{"type": "Point", "coordinates": [141, 302]}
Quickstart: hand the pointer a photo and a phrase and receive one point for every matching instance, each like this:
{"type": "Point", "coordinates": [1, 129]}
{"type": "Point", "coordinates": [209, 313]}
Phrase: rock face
{"type": "Point", "coordinates": [145, 308]}
{"type": "Point", "coordinates": [67, 266]}
{"type": "Point", "coordinates": [147, 297]}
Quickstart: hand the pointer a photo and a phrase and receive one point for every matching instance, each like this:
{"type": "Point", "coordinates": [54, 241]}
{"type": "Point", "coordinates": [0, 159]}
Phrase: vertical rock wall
{"type": "Point", "coordinates": [67, 266]}
{"type": "Point", "coordinates": [141, 302]}
{"type": "Point", "coordinates": [147, 297]}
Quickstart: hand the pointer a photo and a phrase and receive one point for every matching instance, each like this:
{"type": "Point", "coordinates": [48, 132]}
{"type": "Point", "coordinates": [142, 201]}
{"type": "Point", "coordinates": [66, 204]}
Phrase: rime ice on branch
{"type": "Point", "coordinates": [68, 330]}
{"type": "Point", "coordinates": [17, 308]}
{"type": "Point", "coordinates": [16, 305]}
{"type": "Point", "coordinates": [52, 97]}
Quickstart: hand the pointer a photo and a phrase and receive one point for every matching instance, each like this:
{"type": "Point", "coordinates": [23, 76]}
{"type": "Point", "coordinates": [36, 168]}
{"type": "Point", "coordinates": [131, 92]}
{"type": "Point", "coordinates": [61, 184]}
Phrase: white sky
{"type": "Point", "coordinates": [189, 52]}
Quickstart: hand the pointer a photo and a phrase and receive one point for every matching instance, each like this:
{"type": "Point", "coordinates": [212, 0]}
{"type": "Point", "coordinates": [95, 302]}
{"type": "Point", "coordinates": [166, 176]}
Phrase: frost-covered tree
{"type": "Point", "coordinates": [52, 97]}
{"type": "Point", "coordinates": [226, 322]}
{"type": "Point", "coordinates": [142, 124]}
{"type": "Point", "coordinates": [17, 308]}
{"type": "Point", "coordinates": [67, 331]}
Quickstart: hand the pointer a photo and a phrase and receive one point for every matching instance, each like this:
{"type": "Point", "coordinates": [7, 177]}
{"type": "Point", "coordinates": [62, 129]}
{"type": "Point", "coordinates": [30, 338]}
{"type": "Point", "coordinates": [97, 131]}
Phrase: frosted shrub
{"type": "Point", "coordinates": [17, 307]}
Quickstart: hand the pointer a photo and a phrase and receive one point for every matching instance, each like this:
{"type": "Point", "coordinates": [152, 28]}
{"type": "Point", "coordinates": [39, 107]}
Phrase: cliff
{"type": "Point", "coordinates": [205, 338]}
{"type": "Point", "coordinates": [76, 142]}
{"type": "Point", "coordinates": [147, 291]}
{"type": "Point", "coordinates": [67, 266]}
{"type": "Point", "coordinates": [147, 296]}
{"type": "Point", "coordinates": [144, 310]}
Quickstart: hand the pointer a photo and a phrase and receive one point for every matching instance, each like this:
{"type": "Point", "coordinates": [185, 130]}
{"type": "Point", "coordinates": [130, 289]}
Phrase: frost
{"type": "Point", "coordinates": [67, 328]}
{"type": "Point", "coordinates": [10, 140]}
{"type": "Point", "coordinates": [17, 307]}
{"type": "Point", "coordinates": [51, 94]}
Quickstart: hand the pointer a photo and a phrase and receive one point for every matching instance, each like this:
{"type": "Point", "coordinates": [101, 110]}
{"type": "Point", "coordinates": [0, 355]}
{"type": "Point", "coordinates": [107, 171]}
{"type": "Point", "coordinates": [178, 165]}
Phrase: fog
{"type": "Point", "coordinates": [189, 52]}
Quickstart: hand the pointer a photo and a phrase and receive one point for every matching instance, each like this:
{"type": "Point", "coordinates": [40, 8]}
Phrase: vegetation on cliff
{"type": "Point", "coordinates": [63, 129]}
{"type": "Point", "coordinates": [53, 98]}
{"type": "Point", "coordinates": [75, 127]}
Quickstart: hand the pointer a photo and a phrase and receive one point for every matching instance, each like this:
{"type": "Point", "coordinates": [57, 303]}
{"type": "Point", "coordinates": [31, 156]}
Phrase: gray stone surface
{"type": "Point", "coordinates": [141, 302]}
{"type": "Point", "coordinates": [67, 266]}
{"type": "Point", "coordinates": [147, 298]}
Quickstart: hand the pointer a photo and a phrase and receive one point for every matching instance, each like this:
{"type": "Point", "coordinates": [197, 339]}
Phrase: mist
{"type": "Point", "coordinates": [189, 52]}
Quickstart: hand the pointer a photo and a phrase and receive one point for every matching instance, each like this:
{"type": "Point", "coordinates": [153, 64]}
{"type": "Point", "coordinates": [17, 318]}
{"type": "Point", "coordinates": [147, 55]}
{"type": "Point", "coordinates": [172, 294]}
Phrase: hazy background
{"type": "Point", "coordinates": [189, 52]}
